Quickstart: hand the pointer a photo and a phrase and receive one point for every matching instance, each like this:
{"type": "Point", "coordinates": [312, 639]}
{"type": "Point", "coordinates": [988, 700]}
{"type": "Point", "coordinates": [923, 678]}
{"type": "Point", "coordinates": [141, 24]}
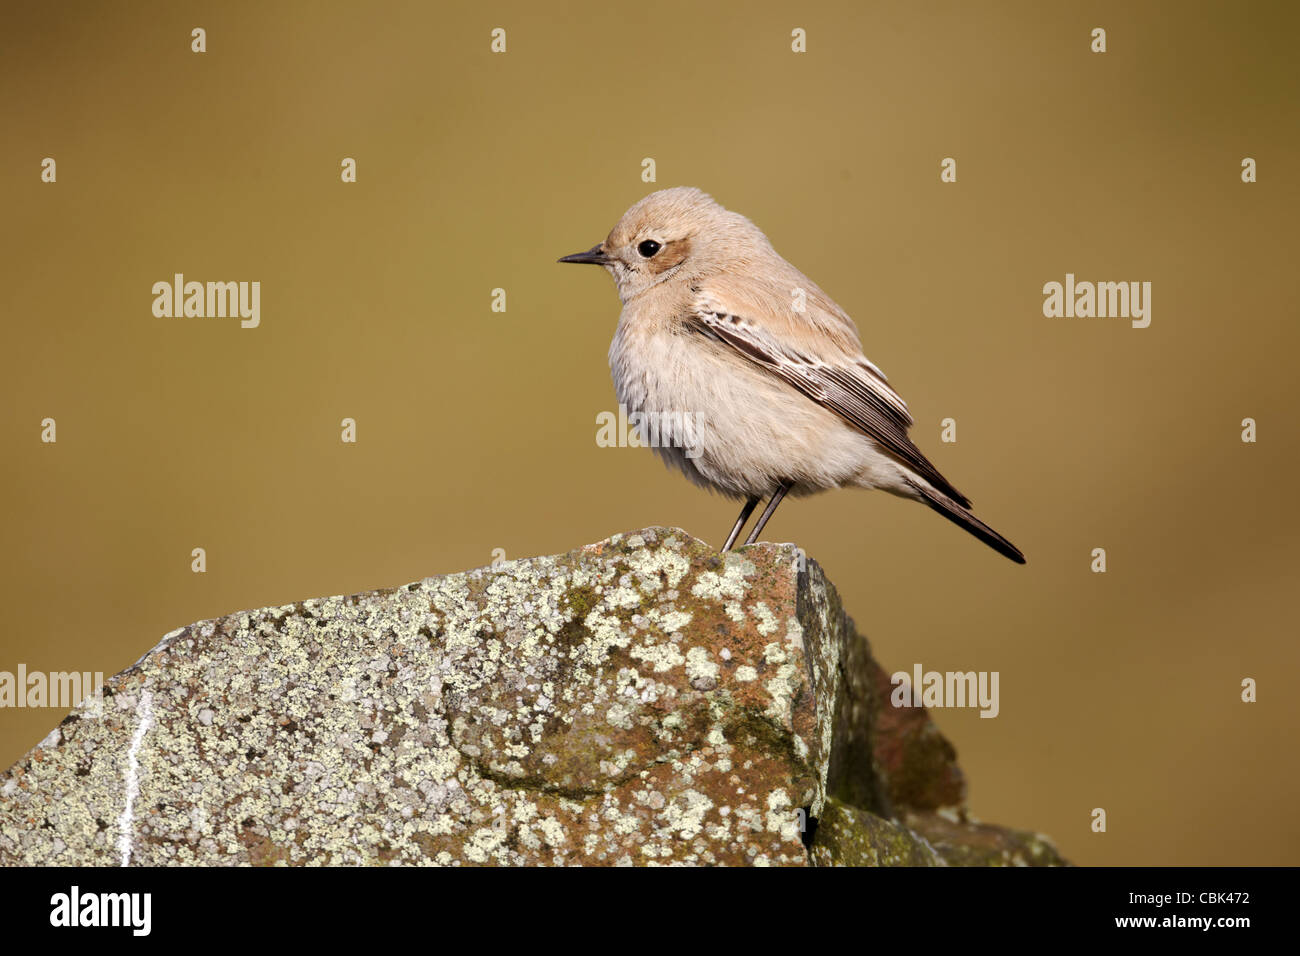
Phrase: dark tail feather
{"type": "Point", "coordinates": [964, 519]}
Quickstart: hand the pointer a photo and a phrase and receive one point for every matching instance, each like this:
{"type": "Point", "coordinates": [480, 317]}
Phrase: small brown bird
{"type": "Point", "coordinates": [754, 377]}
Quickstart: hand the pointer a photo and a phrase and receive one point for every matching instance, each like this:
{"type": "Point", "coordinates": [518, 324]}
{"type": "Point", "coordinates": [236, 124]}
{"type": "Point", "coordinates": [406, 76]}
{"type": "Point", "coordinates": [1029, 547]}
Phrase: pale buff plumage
{"type": "Point", "coordinates": [715, 323]}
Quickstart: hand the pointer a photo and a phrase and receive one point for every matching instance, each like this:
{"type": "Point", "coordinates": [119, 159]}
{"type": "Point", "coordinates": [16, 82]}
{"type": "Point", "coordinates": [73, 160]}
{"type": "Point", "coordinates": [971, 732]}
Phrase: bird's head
{"type": "Point", "coordinates": [677, 234]}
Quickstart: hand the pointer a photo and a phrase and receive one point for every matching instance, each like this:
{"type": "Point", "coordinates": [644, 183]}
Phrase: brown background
{"type": "Point", "coordinates": [477, 429]}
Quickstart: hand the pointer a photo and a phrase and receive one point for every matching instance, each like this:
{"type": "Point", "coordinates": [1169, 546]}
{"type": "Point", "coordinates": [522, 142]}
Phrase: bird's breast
{"type": "Point", "coordinates": [661, 368]}
{"type": "Point", "coordinates": [724, 421]}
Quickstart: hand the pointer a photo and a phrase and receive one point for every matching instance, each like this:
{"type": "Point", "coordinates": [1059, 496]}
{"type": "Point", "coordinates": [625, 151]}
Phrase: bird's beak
{"type": "Point", "coordinates": [595, 255]}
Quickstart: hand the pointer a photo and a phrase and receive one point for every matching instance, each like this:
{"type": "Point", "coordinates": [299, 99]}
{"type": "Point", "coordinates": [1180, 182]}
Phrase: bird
{"type": "Point", "coordinates": [754, 376]}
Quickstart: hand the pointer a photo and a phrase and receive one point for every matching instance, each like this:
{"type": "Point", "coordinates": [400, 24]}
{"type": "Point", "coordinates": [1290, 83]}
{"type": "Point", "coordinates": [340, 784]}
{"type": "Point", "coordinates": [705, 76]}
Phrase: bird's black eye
{"type": "Point", "coordinates": [648, 248]}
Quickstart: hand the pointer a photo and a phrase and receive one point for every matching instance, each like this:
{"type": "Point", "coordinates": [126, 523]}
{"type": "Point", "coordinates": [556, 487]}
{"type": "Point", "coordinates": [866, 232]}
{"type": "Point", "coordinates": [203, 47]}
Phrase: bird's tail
{"type": "Point", "coordinates": [964, 519]}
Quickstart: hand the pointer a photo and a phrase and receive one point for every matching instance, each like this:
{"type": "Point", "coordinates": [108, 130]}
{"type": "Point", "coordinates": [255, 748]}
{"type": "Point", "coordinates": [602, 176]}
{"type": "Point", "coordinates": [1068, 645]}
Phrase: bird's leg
{"type": "Point", "coordinates": [768, 512]}
{"type": "Point", "coordinates": [745, 512]}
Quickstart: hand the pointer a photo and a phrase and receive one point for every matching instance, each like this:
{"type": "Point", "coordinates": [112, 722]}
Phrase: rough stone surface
{"type": "Point", "coordinates": [849, 836]}
{"type": "Point", "coordinates": [639, 701]}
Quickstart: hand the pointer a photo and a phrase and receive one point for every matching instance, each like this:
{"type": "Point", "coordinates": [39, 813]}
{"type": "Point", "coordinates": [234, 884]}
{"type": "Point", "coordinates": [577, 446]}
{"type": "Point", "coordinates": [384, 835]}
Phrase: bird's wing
{"type": "Point", "coordinates": [816, 351]}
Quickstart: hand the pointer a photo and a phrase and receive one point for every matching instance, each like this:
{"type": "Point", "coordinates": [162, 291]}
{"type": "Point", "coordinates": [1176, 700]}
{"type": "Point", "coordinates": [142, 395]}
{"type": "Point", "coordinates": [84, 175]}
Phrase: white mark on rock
{"type": "Point", "coordinates": [126, 822]}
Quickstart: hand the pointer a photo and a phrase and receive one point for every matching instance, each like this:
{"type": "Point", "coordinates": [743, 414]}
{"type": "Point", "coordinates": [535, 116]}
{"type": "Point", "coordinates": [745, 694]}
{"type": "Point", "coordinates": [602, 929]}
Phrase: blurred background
{"type": "Point", "coordinates": [476, 430]}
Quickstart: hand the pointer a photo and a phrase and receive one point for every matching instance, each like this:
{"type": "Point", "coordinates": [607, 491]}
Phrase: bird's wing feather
{"type": "Point", "coordinates": [839, 379]}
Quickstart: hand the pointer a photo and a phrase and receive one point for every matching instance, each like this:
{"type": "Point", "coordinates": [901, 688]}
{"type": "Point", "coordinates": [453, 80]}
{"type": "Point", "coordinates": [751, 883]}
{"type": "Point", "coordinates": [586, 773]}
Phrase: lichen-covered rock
{"type": "Point", "coordinates": [644, 700]}
{"type": "Point", "coordinates": [963, 841]}
{"type": "Point", "coordinates": [848, 836]}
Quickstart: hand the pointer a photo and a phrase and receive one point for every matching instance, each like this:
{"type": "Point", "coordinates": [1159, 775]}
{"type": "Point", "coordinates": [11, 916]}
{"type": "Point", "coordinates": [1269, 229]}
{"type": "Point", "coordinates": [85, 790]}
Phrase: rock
{"type": "Point", "coordinates": [849, 836]}
{"type": "Point", "coordinates": [644, 700]}
{"type": "Point", "coordinates": [963, 841]}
